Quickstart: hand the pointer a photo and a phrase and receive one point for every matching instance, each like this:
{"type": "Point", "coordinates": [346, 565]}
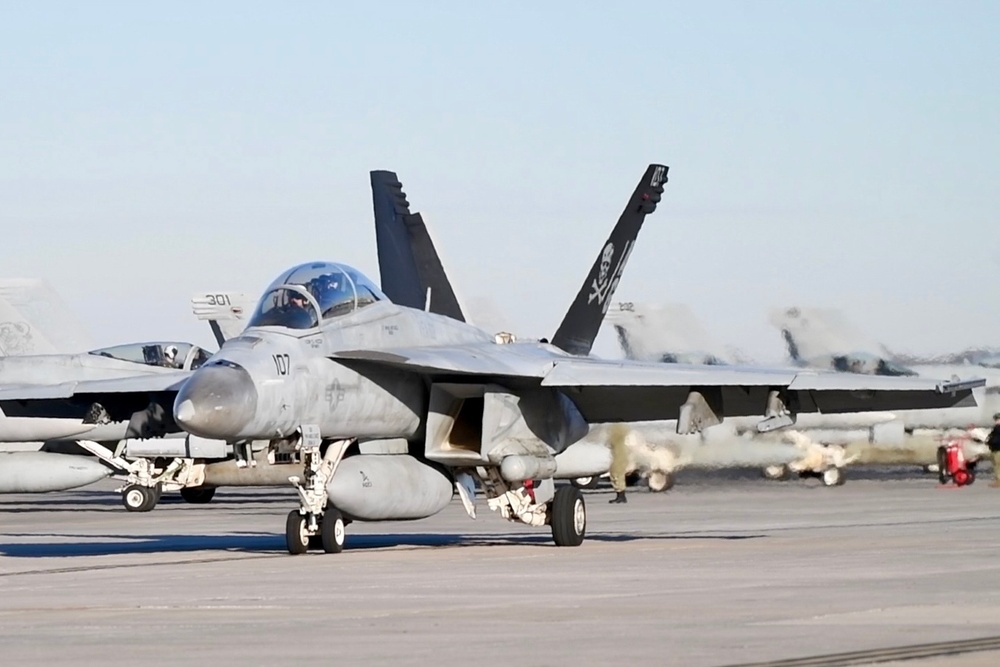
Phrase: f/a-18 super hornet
{"type": "Point", "coordinates": [826, 444]}
{"type": "Point", "coordinates": [389, 407]}
{"type": "Point", "coordinates": [42, 400]}
{"type": "Point", "coordinates": [824, 339]}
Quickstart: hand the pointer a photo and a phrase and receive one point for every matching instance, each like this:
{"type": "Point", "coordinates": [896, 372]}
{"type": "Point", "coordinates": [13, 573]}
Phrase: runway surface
{"type": "Point", "coordinates": [725, 569]}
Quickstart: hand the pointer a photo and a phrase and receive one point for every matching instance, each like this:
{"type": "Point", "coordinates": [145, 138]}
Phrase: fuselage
{"type": "Point", "coordinates": [270, 380]}
{"type": "Point", "coordinates": [37, 421]}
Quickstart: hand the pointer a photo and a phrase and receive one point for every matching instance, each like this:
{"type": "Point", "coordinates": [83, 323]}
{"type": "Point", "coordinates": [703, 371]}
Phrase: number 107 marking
{"type": "Point", "coordinates": [281, 363]}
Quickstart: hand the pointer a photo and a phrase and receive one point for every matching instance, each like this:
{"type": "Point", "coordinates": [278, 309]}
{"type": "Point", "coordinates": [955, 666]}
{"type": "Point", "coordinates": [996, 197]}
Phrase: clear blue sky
{"type": "Point", "coordinates": [833, 154]}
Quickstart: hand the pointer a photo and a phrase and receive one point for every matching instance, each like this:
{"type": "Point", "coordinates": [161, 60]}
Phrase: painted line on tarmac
{"type": "Point", "coordinates": [881, 655]}
{"type": "Point", "coordinates": [122, 566]}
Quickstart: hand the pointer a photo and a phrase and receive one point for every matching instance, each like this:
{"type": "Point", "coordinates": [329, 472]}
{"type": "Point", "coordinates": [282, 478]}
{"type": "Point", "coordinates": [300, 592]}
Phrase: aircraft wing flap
{"type": "Point", "coordinates": [856, 382]}
{"type": "Point", "coordinates": [607, 391]}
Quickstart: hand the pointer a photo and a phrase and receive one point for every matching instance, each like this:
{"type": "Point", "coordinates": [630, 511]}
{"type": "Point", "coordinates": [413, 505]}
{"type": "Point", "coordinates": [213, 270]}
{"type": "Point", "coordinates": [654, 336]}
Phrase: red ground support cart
{"type": "Point", "coordinates": [952, 464]}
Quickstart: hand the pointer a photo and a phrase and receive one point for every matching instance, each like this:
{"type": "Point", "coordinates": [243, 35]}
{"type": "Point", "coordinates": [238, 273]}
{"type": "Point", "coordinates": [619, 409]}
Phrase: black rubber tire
{"type": "Point", "coordinates": [568, 517]}
{"type": "Point", "coordinates": [591, 482]}
{"type": "Point", "coordinates": [198, 495]}
{"type": "Point", "coordinates": [332, 532]}
{"type": "Point", "coordinates": [137, 498]}
{"type": "Point", "coordinates": [942, 458]}
{"type": "Point", "coordinates": [295, 540]}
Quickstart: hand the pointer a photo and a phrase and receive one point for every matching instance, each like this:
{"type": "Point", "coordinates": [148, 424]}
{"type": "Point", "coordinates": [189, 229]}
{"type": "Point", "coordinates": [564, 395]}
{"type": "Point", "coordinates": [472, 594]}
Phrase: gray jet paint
{"type": "Point", "coordinates": [326, 350]}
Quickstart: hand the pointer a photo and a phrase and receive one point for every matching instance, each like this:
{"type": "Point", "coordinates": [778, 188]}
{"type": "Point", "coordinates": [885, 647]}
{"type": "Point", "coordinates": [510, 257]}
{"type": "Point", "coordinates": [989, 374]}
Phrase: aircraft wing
{"type": "Point", "coordinates": [135, 384]}
{"type": "Point", "coordinates": [611, 390]}
{"type": "Point", "coordinates": [476, 360]}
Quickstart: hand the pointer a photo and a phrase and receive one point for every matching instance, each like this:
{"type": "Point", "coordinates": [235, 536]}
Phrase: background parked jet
{"type": "Point", "coordinates": [46, 411]}
{"type": "Point", "coordinates": [826, 445]}
{"type": "Point", "coordinates": [824, 339]}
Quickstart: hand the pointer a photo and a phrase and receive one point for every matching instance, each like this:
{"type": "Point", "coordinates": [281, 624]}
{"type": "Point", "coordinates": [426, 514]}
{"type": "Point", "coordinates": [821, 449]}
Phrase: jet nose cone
{"type": "Point", "coordinates": [219, 401]}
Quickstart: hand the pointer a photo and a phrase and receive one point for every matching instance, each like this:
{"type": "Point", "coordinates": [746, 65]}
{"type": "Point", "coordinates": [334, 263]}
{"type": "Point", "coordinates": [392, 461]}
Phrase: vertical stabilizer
{"type": "Point", "coordinates": [579, 327]}
{"type": "Point", "coordinates": [815, 333]}
{"type": "Point", "coordinates": [665, 332]}
{"type": "Point", "coordinates": [409, 266]}
{"type": "Point", "coordinates": [226, 312]}
{"type": "Point", "coordinates": [35, 320]}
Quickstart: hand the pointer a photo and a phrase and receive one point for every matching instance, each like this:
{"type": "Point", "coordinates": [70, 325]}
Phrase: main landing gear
{"type": "Point", "coordinates": [330, 538]}
{"type": "Point", "coordinates": [138, 498]}
{"type": "Point", "coordinates": [538, 504]}
{"type": "Point", "coordinates": [568, 517]}
{"type": "Point", "coordinates": [316, 523]}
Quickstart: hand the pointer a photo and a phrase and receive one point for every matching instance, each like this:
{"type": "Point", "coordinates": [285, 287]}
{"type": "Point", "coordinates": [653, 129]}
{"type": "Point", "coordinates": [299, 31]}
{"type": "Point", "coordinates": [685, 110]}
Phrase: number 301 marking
{"type": "Point", "coordinates": [218, 299]}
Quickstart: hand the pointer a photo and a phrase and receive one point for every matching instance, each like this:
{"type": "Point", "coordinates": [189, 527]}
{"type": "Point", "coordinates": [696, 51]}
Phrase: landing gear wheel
{"type": "Point", "coordinates": [137, 498]}
{"type": "Point", "coordinates": [833, 477]}
{"type": "Point", "coordinates": [198, 495]}
{"type": "Point", "coordinates": [332, 532]}
{"type": "Point", "coordinates": [780, 473]}
{"type": "Point", "coordinates": [568, 516]}
{"type": "Point", "coordinates": [296, 535]}
{"type": "Point", "coordinates": [585, 482]}
{"type": "Point", "coordinates": [660, 481]}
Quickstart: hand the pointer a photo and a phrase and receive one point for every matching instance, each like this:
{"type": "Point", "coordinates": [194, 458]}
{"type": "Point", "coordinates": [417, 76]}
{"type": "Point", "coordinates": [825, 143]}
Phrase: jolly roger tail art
{"type": "Point", "coordinates": [579, 328]}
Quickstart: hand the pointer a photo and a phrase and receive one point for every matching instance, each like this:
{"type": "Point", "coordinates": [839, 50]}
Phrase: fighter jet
{"type": "Point", "coordinates": [388, 406]}
{"type": "Point", "coordinates": [827, 443]}
{"type": "Point", "coordinates": [825, 339]}
{"type": "Point", "coordinates": [46, 408]}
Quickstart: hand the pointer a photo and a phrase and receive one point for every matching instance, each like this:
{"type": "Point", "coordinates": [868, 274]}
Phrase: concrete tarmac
{"type": "Point", "coordinates": [727, 568]}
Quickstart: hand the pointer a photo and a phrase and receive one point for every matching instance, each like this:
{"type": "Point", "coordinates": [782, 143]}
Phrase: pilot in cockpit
{"type": "Point", "coordinates": [333, 293]}
{"type": "Point", "coordinates": [170, 357]}
{"type": "Point", "coordinates": [298, 314]}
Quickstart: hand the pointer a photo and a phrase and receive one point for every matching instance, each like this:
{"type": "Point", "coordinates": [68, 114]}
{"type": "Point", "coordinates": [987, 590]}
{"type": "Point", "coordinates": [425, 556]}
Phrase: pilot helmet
{"type": "Point", "coordinates": [330, 282]}
{"type": "Point", "coordinates": [170, 352]}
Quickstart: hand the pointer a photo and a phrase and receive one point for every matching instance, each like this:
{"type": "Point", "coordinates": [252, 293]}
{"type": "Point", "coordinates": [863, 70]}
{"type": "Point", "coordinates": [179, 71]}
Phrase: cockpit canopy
{"type": "Point", "coordinates": [308, 294]}
{"type": "Point", "coordinates": [168, 355]}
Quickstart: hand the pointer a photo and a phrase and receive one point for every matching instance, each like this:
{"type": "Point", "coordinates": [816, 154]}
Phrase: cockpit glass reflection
{"type": "Point", "coordinates": [307, 294]}
{"type": "Point", "coordinates": [166, 355]}
{"type": "Point", "coordinates": [289, 307]}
